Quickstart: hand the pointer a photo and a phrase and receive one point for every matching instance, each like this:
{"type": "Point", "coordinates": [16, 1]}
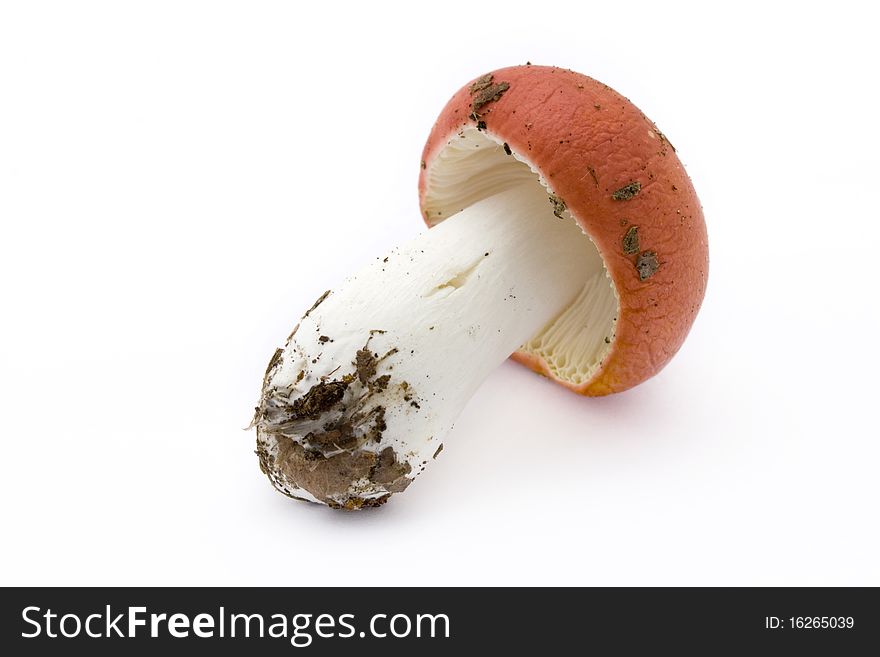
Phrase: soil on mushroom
{"type": "Point", "coordinates": [631, 241]}
{"type": "Point", "coordinates": [365, 363]}
{"type": "Point", "coordinates": [558, 205]}
{"type": "Point", "coordinates": [627, 192]}
{"type": "Point", "coordinates": [488, 94]}
{"type": "Point", "coordinates": [647, 264]}
{"type": "Point", "coordinates": [324, 440]}
{"type": "Point", "coordinates": [317, 303]}
{"type": "Point", "coordinates": [484, 91]}
{"type": "Point", "coordinates": [330, 478]}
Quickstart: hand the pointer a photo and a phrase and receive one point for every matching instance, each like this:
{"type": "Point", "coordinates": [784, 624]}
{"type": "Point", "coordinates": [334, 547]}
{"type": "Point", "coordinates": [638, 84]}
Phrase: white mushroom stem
{"type": "Point", "coordinates": [437, 316]}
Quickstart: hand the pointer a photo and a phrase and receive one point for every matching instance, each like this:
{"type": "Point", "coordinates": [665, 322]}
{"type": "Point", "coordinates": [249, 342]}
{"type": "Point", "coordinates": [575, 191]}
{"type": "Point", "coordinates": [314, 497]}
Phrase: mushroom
{"type": "Point", "coordinates": [563, 230]}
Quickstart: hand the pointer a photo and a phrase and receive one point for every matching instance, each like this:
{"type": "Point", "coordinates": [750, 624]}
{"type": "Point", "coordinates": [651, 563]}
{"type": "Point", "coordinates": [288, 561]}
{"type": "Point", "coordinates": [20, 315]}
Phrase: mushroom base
{"type": "Point", "coordinates": [308, 475]}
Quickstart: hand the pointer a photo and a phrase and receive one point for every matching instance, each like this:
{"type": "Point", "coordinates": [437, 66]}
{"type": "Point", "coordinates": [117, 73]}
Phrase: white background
{"type": "Point", "coordinates": [180, 180]}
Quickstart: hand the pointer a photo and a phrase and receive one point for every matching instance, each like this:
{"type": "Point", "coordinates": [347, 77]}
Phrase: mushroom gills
{"type": "Point", "coordinates": [361, 397]}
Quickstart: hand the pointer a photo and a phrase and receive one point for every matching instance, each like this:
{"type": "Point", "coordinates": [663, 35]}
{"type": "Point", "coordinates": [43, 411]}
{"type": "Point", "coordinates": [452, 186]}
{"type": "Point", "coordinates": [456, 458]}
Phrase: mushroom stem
{"type": "Point", "coordinates": [367, 386]}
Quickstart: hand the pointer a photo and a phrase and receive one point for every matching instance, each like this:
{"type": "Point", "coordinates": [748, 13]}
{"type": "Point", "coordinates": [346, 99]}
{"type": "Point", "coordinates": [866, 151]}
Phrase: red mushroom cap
{"type": "Point", "coordinates": [610, 167]}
